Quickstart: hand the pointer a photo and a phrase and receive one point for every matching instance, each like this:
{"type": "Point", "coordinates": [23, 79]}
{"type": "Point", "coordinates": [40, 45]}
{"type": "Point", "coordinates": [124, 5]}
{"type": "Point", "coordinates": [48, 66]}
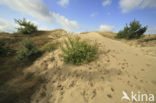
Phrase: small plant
{"type": "Point", "coordinates": [78, 52]}
{"type": "Point", "coordinates": [26, 27]}
{"type": "Point", "coordinates": [30, 52]}
{"type": "Point", "coordinates": [134, 30]}
{"type": "Point", "coordinates": [50, 46]}
{"type": "Point", "coordinates": [4, 50]}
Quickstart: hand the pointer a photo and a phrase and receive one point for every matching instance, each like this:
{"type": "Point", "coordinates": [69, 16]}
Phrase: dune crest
{"type": "Point", "coordinates": [119, 67]}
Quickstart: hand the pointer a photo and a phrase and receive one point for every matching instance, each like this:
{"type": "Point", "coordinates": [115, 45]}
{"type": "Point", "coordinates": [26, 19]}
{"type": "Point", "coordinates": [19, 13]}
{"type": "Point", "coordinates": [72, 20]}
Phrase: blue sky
{"type": "Point", "coordinates": [78, 15]}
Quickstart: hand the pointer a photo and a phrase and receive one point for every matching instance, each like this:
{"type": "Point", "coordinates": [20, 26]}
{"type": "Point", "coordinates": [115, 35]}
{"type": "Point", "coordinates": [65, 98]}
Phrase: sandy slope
{"type": "Point", "coordinates": [119, 67]}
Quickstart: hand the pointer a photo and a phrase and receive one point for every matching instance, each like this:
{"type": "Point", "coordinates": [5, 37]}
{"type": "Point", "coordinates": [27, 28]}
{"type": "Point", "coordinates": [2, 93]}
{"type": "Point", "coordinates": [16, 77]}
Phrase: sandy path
{"type": "Point", "coordinates": [119, 67]}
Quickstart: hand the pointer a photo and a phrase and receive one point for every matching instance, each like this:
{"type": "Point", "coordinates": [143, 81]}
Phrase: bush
{"type": "Point", "coordinates": [50, 46]}
{"type": "Point", "coordinates": [135, 30]}
{"type": "Point", "coordinates": [30, 52]}
{"type": "Point", "coordinates": [26, 27]}
{"type": "Point", "coordinates": [4, 50]}
{"type": "Point", "coordinates": [78, 52]}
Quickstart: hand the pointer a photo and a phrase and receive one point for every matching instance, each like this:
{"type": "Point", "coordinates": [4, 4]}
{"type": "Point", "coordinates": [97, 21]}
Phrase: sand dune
{"type": "Point", "coordinates": [119, 67]}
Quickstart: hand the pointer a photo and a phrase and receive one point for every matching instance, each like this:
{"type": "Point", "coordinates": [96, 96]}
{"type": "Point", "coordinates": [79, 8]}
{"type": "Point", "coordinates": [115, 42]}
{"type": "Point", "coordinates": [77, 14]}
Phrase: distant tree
{"type": "Point", "coordinates": [26, 27]}
{"type": "Point", "coordinates": [134, 30]}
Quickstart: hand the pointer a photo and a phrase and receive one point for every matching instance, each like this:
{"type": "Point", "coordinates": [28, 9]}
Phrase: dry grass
{"type": "Point", "coordinates": [11, 68]}
{"type": "Point", "coordinates": [146, 40]}
{"type": "Point", "coordinates": [110, 35]}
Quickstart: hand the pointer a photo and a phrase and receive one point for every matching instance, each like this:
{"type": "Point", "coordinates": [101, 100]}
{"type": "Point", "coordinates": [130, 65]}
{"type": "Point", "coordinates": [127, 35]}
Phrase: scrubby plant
{"type": "Point", "coordinates": [78, 52]}
{"type": "Point", "coordinates": [50, 46]}
{"type": "Point", "coordinates": [134, 30]}
{"type": "Point", "coordinates": [4, 50]}
{"type": "Point", "coordinates": [29, 52]}
{"type": "Point", "coordinates": [26, 27]}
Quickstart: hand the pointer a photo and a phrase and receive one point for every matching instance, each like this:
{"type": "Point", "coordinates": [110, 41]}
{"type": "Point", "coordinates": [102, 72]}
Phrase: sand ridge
{"type": "Point", "coordinates": [118, 67]}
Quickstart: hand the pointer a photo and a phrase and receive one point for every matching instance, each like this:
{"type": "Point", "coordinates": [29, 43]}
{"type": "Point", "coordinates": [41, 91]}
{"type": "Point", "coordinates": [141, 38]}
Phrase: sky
{"type": "Point", "coordinates": [78, 15]}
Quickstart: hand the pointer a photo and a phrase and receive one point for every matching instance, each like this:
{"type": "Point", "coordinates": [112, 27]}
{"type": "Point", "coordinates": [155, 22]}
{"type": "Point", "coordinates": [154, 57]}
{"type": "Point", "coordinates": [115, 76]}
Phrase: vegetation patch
{"type": "Point", "coordinates": [22, 91]}
{"type": "Point", "coordinates": [50, 46]}
{"type": "Point", "coordinates": [29, 53]}
{"type": "Point", "coordinates": [78, 52]}
{"type": "Point", "coordinates": [134, 30]}
{"type": "Point", "coordinates": [26, 27]}
{"type": "Point", "coordinates": [4, 49]}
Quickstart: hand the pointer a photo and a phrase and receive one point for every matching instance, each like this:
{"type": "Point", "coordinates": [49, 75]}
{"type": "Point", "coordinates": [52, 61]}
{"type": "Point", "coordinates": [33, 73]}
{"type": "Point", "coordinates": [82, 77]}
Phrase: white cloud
{"type": "Point", "coordinates": [152, 29]}
{"type": "Point", "coordinates": [34, 22]}
{"type": "Point", "coordinates": [45, 28]}
{"type": "Point", "coordinates": [106, 2]}
{"type": "Point", "coordinates": [129, 5]}
{"type": "Point", "coordinates": [7, 26]}
{"type": "Point", "coordinates": [40, 27]}
{"type": "Point", "coordinates": [68, 25]}
{"type": "Point", "coordinates": [63, 2]}
{"type": "Point", "coordinates": [38, 10]}
{"type": "Point", "coordinates": [149, 3]}
{"type": "Point", "coordinates": [106, 28]}
{"type": "Point", "coordinates": [93, 14]}
{"type": "Point", "coordinates": [34, 8]}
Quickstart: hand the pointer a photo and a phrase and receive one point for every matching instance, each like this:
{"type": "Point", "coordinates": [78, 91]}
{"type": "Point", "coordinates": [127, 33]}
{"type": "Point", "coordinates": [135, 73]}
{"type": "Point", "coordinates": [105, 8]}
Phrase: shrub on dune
{"type": "Point", "coordinates": [78, 52]}
{"type": "Point", "coordinates": [26, 27]}
{"type": "Point", "coordinates": [134, 30]}
{"type": "Point", "coordinates": [29, 52]}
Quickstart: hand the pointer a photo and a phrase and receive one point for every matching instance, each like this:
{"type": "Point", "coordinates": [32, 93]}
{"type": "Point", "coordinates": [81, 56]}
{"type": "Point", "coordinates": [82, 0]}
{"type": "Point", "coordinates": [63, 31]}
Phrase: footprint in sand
{"type": "Point", "coordinates": [109, 95]}
{"type": "Point", "coordinates": [43, 94]}
{"type": "Point", "coordinates": [72, 84]}
{"type": "Point", "coordinates": [84, 94]}
{"type": "Point", "coordinates": [148, 65]}
{"type": "Point", "coordinates": [135, 77]}
{"type": "Point", "coordinates": [90, 68]}
{"type": "Point", "coordinates": [102, 78]}
{"type": "Point", "coordinates": [91, 84]}
{"type": "Point", "coordinates": [44, 65]}
{"type": "Point", "coordinates": [154, 81]}
{"type": "Point", "coordinates": [94, 94]}
{"type": "Point", "coordinates": [112, 89]}
{"type": "Point", "coordinates": [141, 81]}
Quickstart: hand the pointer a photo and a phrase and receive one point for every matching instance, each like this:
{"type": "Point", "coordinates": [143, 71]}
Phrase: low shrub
{"type": "Point", "coordinates": [50, 46]}
{"type": "Point", "coordinates": [78, 52]}
{"type": "Point", "coordinates": [134, 30]}
{"type": "Point", "coordinates": [4, 50]}
{"type": "Point", "coordinates": [26, 27]}
{"type": "Point", "coordinates": [29, 53]}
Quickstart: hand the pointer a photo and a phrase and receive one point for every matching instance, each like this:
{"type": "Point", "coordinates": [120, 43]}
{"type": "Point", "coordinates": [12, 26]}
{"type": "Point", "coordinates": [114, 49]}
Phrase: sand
{"type": "Point", "coordinates": [119, 67]}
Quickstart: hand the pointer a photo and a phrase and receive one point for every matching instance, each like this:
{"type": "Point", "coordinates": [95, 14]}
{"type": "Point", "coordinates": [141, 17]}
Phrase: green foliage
{"type": "Point", "coordinates": [134, 30]}
{"type": "Point", "coordinates": [30, 52]}
{"type": "Point", "coordinates": [50, 46]}
{"type": "Point", "coordinates": [78, 52]}
{"type": "Point", "coordinates": [4, 50]}
{"type": "Point", "coordinates": [26, 27]}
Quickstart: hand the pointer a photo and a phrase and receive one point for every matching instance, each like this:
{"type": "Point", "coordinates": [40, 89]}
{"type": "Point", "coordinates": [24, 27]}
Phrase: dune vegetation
{"type": "Point", "coordinates": [55, 66]}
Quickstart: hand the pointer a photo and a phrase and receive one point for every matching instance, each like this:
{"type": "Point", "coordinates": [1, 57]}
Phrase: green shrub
{"type": "Point", "coordinates": [50, 46]}
{"type": "Point", "coordinates": [135, 30]}
{"type": "Point", "coordinates": [4, 50]}
{"type": "Point", "coordinates": [78, 52]}
{"type": "Point", "coordinates": [26, 27]}
{"type": "Point", "coordinates": [29, 53]}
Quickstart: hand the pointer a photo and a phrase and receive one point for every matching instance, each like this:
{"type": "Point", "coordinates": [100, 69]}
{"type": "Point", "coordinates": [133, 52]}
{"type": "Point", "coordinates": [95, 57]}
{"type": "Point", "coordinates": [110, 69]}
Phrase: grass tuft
{"type": "Point", "coordinates": [50, 46]}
